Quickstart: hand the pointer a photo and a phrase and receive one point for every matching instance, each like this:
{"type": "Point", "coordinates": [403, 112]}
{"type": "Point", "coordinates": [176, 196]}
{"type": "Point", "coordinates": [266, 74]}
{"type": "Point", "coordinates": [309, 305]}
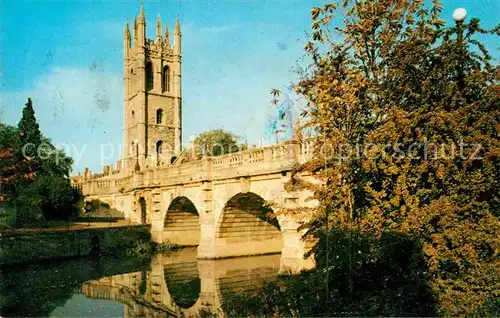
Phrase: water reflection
{"type": "Point", "coordinates": [175, 284]}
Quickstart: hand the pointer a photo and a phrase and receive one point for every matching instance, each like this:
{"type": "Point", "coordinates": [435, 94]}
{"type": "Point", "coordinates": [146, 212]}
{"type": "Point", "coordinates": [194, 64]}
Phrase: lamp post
{"type": "Point", "coordinates": [459, 16]}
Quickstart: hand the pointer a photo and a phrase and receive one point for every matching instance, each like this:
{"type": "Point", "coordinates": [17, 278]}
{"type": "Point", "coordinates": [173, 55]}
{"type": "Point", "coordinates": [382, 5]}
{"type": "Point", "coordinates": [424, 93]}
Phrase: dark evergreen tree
{"type": "Point", "coordinates": [29, 132]}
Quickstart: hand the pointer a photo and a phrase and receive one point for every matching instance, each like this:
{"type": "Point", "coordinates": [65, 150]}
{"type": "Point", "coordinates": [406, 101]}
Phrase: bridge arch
{"type": "Point", "coordinates": [181, 224]}
{"type": "Point", "coordinates": [247, 227]}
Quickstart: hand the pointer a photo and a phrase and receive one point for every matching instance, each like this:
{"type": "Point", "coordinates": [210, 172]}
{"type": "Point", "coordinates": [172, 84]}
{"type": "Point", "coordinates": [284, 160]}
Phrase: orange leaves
{"type": "Point", "coordinates": [388, 86]}
{"type": "Point", "coordinates": [315, 11]}
{"type": "Point", "coordinates": [321, 17]}
{"type": "Point", "coordinates": [438, 22]}
{"type": "Point", "coordinates": [13, 171]}
{"type": "Point", "coordinates": [431, 254]}
{"type": "Point", "coordinates": [5, 154]}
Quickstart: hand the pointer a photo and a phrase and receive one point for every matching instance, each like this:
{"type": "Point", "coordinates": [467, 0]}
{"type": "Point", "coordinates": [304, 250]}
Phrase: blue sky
{"type": "Point", "coordinates": [67, 56]}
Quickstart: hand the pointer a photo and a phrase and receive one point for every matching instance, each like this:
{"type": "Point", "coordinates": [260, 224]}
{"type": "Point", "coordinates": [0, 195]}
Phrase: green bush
{"type": "Point", "coordinates": [7, 216]}
{"type": "Point", "coordinates": [52, 195]}
{"type": "Point", "coordinates": [28, 210]}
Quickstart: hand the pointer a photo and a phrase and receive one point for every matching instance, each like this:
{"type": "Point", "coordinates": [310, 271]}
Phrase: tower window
{"type": "Point", "coordinates": [133, 115]}
{"type": "Point", "coordinates": [166, 79]}
{"type": "Point", "coordinates": [159, 116]}
{"type": "Point", "coordinates": [159, 147]}
{"type": "Point", "coordinates": [149, 76]}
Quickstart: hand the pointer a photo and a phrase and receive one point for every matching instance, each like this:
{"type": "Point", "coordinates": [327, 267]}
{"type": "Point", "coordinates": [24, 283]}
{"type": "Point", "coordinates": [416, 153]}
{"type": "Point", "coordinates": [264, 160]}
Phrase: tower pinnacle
{"type": "Point", "coordinates": [127, 31]}
{"type": "Point", "coordinates": [167, 36]}
{"type": "Point", "coordinates": [126, 41]}
{"type": "Point", "coordinates": [177, 37]}
{"type": "Point", "coordinates": [142, 18]}
{"type": "Point", "coordinates": [141, 29]}
{"type": "Point", "coordinates": [177, 27]}
{"type": "Point", "coordinates": [135, 30]}
{"type": "Point", "coordinates": [158, 28]}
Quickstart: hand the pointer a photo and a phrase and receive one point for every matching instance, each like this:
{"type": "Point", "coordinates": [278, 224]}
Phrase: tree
{"type": "Point", "coordinates": [53, 195]}
{"type": "Point", "coordinates": [55, 160]}
{"type": "Point", "coordinates": [217, 142]}
{"type": "Point", "coordinates": [397, 82]}
{"type": "Point", "coordinates": [30, 135]}
{"type": "Point", "coordinates": [34, 174]}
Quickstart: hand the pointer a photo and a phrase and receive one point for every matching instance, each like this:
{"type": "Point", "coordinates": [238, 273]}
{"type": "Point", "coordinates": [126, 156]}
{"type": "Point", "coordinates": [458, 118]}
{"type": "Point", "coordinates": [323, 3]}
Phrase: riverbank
{"type": "Point", "coordinates": [22, 246]}
{"type": "Point", "coordinates": [81, 223]}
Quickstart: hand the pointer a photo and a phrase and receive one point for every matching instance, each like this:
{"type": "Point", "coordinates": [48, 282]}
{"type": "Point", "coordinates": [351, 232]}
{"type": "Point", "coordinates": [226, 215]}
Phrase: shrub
{"type": "Point", "coordinates": [53, 195]}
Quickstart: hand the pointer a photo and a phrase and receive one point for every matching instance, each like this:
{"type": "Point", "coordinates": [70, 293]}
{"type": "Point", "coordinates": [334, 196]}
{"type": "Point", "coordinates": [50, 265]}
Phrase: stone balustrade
{"type": "Point", "coordinates": [307, 149]}
{"type": "Point", "coordinates": [275, 158]}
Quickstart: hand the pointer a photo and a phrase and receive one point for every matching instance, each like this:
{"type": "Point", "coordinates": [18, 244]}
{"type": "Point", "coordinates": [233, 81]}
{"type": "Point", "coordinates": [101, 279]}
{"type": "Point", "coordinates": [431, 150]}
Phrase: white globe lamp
{"type": "Point", "coordinates": [459, 14]}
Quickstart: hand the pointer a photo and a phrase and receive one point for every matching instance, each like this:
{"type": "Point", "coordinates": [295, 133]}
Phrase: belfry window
{"type": "Point", "coordinates": [159, 147]}
{"type": "Point", "coordinates": [159, 116]}
{"type": "Point", "coordinates": [166, 79]}
{"type": "Point", "coordinates": [149, 76]}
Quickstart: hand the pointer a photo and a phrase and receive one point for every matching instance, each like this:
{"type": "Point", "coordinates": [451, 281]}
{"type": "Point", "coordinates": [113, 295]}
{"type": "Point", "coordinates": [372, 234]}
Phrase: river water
{"type": "Point", "coordinates": [172, 284]}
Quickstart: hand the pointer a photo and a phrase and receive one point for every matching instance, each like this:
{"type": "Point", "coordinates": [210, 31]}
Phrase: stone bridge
{"type": "Point", "coordinates": [227, 205]}
{"type": "Point", "coordinates": [180, 285]}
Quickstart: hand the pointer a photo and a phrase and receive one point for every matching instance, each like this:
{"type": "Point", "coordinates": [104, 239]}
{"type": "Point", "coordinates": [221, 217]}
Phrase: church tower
{"type": "Point", "coordinates": [153, 95]}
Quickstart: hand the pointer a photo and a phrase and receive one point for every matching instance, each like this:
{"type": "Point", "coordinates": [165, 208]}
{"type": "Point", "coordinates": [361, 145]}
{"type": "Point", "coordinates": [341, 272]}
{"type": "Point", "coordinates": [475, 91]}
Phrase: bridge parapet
{"type": "Point", "coordinates": [307, 149]}
{"type": "Point", "coordinates": [270, 159]}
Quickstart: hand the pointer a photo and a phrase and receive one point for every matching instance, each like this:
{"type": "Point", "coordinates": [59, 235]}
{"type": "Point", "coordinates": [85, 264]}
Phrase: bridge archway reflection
{"type": "Point", "coordinates": [182, 223]}
{"type": "Point", "coordinates": [183, 283]}
{"type": "Point", "coordinates": [211, 283]}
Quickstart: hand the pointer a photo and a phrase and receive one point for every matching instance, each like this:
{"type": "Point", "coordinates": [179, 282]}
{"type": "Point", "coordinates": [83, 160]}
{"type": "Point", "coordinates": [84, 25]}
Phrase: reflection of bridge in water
{"type": "Point", "coordinates": [180, 285]}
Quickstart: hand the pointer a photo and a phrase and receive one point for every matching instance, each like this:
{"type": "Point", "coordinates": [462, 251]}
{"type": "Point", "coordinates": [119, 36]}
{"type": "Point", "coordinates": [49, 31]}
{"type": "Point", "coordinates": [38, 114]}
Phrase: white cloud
{"type": "Point", "coordinates": [74, 107]}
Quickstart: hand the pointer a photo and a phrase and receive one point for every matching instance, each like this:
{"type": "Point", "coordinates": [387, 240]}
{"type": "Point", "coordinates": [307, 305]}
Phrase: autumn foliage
{"type": "Point", "coordinates": [407, 117]}
{"type": "Point", "coordinates": [12, 172]}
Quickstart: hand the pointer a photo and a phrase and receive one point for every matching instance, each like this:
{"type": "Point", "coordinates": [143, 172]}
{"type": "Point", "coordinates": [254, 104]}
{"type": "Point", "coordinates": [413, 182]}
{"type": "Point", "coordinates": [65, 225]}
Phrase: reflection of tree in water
{"type": "Point", "coordinates": [38, 296]}
{"type": "Point", "coordinates": [36, 290]}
